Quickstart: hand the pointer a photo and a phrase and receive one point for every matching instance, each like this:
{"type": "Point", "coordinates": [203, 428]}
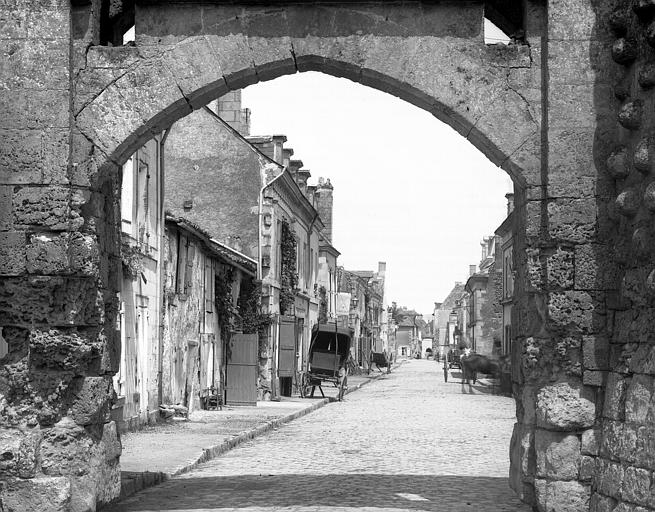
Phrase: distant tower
{"type": "Point", "coordinates": [323, 205]}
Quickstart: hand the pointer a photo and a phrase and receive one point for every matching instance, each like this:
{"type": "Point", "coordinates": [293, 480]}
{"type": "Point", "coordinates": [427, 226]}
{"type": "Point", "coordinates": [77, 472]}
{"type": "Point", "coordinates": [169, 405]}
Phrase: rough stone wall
{"type": "Point", "coordinates": [58, 234]}
{"type": "Point", "coordinates": [623, 441]}
{"type": "Point", "coordinates": [75, 110]}
{"type": "Point", "coordinates": [185, 323]}
{"type": "Point", "coordinates": [213, 178]}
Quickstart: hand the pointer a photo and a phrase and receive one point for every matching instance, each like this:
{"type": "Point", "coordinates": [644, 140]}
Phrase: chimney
{"type": "Point", "coordinates": [483, 245]}
{"type": "Point", "coordinates": [382, 269]}
{"type": "Point", "coordinates": [323, 199]}
{"type": "Point", "coordinates": [472, 269]}
{"type": "Point", "coordinates": [302, 175]}
{"type": "Point", "coordinates": [245, 122]}
{"type": "Point", "coordinates": [278, 148]}
{"type": "Point", "coordinates": [286, 157]}
{"type": "Point", "coordinates": [229, 110]}
{"type": "Point", "coordinates": [510, 202]}
{"type": "Point", "coordinates": [294, 166]}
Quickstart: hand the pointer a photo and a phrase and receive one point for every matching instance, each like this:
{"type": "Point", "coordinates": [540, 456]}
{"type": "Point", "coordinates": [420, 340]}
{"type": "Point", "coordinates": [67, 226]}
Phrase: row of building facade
{"type": "Point", "coordinates": [228, 263]}
{"type": "Point", "coordinates": [478, 313]}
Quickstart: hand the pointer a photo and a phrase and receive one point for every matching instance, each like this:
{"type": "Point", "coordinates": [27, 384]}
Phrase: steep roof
{"type": "Point", "coordinates": [455, 294]}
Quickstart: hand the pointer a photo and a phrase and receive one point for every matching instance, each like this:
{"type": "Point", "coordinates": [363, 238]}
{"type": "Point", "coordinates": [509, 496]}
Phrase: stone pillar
{"type": "Point", "coordinates": [569, 275]}
{"type": "Point", "coordinates": [622, 445]}
{"type": "Point", "coordinates": [60, 452]}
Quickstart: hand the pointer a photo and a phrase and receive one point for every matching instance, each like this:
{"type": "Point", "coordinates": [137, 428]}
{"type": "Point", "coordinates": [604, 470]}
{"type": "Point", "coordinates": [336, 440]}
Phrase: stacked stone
{"type": "Point", "coordinates": [624, 444]}
{"type": "Point", "coordinates": [58, 449]}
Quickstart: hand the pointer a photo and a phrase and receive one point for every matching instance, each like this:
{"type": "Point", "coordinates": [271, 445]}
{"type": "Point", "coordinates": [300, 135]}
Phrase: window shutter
{"type": "Point", "coordinates": [191, 251]}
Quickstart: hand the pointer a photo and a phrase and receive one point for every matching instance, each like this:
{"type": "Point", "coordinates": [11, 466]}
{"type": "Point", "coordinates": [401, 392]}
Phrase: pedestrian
{"type": "Point", "coordinates": [342, 382]}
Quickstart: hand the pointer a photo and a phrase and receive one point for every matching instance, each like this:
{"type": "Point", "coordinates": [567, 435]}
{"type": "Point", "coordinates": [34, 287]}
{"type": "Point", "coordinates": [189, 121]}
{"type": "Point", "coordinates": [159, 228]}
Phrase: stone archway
{"type": "Point", "coordinates": [545, 111]}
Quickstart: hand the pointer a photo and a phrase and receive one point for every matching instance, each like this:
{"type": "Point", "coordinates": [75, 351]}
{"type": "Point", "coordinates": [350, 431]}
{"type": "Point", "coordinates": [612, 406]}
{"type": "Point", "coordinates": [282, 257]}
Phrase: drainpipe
{"type": "Point", "coordinates": [162, 228]}
{"type": "Point", "coordinates": [274, 390]}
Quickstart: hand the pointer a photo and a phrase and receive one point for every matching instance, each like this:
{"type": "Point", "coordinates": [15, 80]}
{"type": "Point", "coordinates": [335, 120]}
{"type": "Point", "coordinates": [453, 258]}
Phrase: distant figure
{"type": "Point", "coordinates": [342, 382]}
{"type": "Point", "coordinates": [472, 364]}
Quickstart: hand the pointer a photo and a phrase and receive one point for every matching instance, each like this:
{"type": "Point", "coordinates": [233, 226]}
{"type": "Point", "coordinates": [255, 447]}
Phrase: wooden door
{"type": "Point", "coordinates": [287, 356]}
{"type": "Point", "coordinates": [241, 373]}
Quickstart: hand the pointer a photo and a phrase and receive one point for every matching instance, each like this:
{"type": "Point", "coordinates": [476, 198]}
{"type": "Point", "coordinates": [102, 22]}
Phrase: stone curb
{"type": "Point", "coordinates": [133, 482]}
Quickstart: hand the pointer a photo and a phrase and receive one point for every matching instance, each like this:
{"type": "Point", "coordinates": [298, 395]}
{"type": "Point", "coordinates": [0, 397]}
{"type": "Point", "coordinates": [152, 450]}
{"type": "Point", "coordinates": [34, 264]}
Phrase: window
{"type": "Point", "coordinates": [127, 197]}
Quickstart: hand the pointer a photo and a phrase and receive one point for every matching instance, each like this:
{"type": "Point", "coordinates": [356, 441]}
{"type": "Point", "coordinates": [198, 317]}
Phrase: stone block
{"type": "Point", "coordinates": [46, 207]}
{"type": "Point", "coordinates": [619, 441]}
{"type": "Point", "coordinates": [559, 269]}
{"type": "Point", "coordinates": [109, 488]}
{"type": "Point", "coordinates": [111, 441]}
{"type": "Point", "coordinates": [558, 455]}
{"type": "Point", "coordinates": [614, 406]}
{"type": "Point", "coordinates": [34, 109]}
{"type": "Point", "coordinates": [18, 451]}
{"type": "Point", "coordinates": [643, 360]}
{"type": "Point", "coordinates": [571, 311]}
{"type": "Point", "coordinates": [565, 406]}
{"type": "Point", "coordinates": [21, 155]}
{"type": "Point", "coordinates": [24, 64]}
{"type": "Point", "coordinates": [645, 447]}
{"type": "Point", "coordinates": [84, 254]}
{"type": "Point", "coordinates": [640, 399]}
{"type": "Point", "coordinates": [12, 253]}
{"type": "Point", "coordinates": [43, 493]}
{"type": "Point", "coordinates": [608, 477]}
{"type": "Point", "coordinates": [590, 441]}
{"type": "Point", "coordinates": [595, 352]}
{"type": "Point", "coordinates": [66, 449]}
{"type": "Point", "coordinates": [594, 269]}
{"type": "Point", "coordinates": [48, 254]}
{"type": "Point", "coordinates": [6, 213]}
{"type": "Point", "coordinates": [572, 220]}
{"type": "Point", "coordinates": [594, 378]}
{"type": "Point", "coordinates": [91, 401]}
{"type": "Point", "coordinates": [558, 496]}
{"type": "Point", "coordinates": [54, 164]}
{"type": "Point", "coordinates": [587, 468]}
{"type": "Point", "coordinates": [52, 300]}
{"type": "Point", "coordinates": [521, 454]}
{"type": "Point", "coordinates": [636, 486]}
{"type": "Point", "coordinates": [600, 503]}
{"type": "Point", "coordinates": [74, 351]}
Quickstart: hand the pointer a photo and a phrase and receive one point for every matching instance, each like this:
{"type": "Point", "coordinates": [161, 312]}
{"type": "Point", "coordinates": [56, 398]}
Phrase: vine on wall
{"type": "Point", "coordinates": [223, 299]}
{"type": "Point", "coordinates": [289, 273]}
{"type": "Point", "coordinates": [132, 260]}
{"type": "Point", "coordinates": [250, 310]}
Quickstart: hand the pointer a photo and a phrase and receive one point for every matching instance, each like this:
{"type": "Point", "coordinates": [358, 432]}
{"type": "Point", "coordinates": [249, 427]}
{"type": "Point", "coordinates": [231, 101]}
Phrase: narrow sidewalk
{"type": "Point", "coordinates": [162, 451]}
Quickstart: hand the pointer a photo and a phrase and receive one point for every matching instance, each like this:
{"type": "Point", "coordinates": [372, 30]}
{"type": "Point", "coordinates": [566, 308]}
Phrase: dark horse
{"type": "Point", "coordinates": [472, 364]}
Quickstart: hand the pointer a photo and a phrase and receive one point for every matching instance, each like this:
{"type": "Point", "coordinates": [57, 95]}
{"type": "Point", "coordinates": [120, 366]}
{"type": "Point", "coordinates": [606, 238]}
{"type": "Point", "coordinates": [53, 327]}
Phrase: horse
{"type": "Point", "coordinates": [472, 364]}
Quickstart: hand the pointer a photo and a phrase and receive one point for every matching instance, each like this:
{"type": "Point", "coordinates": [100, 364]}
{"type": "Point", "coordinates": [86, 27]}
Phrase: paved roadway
{"type": "Point", "coordinates": [408, 441]}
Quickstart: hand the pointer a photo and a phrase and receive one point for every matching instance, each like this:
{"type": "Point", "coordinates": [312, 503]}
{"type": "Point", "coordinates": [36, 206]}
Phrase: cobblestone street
{"type": "Point", "coordinates": [406, 442]}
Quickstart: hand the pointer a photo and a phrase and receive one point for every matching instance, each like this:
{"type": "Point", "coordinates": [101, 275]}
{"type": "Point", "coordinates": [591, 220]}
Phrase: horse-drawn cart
{"type": "Point", "coordinates": [451, 360]}
{"type": "Point", "coordinates": [380, 360]}
{"type": "Point", "coordinates": [328, 352]}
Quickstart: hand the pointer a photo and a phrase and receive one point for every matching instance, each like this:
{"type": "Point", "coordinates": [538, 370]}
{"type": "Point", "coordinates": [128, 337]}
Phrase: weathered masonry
{"type": "Point", "coordinates": [567, 111]}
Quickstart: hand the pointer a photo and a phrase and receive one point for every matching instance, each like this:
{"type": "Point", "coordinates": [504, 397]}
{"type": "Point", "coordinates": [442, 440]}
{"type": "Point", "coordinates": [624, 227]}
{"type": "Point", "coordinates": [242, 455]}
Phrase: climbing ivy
{"type": "Point", "coordinates": [132, 260]}
{"type": "Point", "coordinates": [250, 308]}
{"type": "Point", "coordinates": [289, 273]}
{"type": "Point", "coordinates": [223, 299]}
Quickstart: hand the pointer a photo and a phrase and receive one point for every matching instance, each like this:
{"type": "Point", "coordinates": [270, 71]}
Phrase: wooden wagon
{"type": "Point", "coordinates": [328, 353]}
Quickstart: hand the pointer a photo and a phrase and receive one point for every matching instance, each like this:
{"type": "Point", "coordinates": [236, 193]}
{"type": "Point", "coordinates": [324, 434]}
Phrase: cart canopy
{"type": "Point", "coordinates": [329, 348]}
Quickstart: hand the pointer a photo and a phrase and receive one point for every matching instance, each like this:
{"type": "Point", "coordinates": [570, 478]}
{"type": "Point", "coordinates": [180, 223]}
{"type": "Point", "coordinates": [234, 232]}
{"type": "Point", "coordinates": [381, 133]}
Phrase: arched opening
{"type": "Point", "coordinates": [193, 207]}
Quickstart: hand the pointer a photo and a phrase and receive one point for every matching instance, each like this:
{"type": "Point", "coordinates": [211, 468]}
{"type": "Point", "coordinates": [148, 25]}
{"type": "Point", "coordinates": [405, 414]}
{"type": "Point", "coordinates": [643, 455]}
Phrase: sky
{"type": "Point", "coordinates": [408, 189]}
